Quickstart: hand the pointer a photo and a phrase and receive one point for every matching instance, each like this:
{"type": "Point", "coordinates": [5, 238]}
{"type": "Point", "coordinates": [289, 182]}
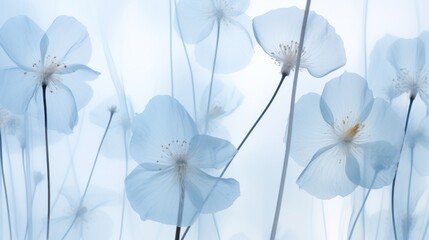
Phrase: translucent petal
{"type": "Point", "coordinates": [421, 163]}
{"type": "Point", "coordinates": [95, 221]}
{"type": "Point", "coordinates": [61, 108]}
{"type": "Point", "coordinates": [16, 89]}
{"type": "Point", "coordinates": [164, 120]}
{"type": "Point", "coordinates": [20, 38]}
{"type": "Point", "coordinates": [68, 41]}
{"type": "Point", "coordinates": [382, 124]}
{"type": "Point", "coordinates": [210, 152]}
{"type": "Point", "coordinates": [407, 54]}
{"type": "Point", "coordinates": [310, 131]}
{"type": "Point", "coordinates": [235, 48]}
{"type": "Point", "coordinates": [195, 20]}
{"type": "Point", "coordinates": [381, 72]}
{"type": "Point", "coordinates": [154, 195]}
{"type": "Point", "coordinates": [347, 96]}
{"type": "Point", "coordinates": [199, 185]}
{"type": "Point", "coordinates": [325, 176]}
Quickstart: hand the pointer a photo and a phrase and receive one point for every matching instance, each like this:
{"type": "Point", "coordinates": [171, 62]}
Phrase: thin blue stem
{"type": "Point", "coordinates": [361, 208]}
{"type": "Point", "coordinates": [188, 61]}
{"type": "Point", "coordinates": [410, 178]}
{"type": "Point", "coordinates": [91, 173]}
{"type": "Point", "coordinates": [290, 125]}
{"type": "Point", "coordinates": [212, 75]}
{"type": "Point", "coordinates": [171, 47]}
{"type": "Point", "coordinates": [48, 174]}
{"type": "Point", "coordinates": [392, 198]}
{"type": "Point", "coordinates": [180, 210]}
{"type": "Point", "coordinates": [123, 191]}
{"type": "Point", "coordinates": [5, 188]}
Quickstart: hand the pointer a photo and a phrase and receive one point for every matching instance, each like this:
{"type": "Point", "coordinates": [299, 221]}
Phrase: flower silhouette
{"type": "Point", "coordinates": [55, 58]}
{"type": "Point", "coordinates": [278, 34]}
{"type": "Point", "coordinates": [173, 156]}
{"type": "Point", "coordinates": [345, 138]}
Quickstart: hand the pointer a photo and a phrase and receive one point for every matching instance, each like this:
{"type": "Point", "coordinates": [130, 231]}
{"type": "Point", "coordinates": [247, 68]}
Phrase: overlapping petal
{"type": "Point", "coordinates": [210, 152]}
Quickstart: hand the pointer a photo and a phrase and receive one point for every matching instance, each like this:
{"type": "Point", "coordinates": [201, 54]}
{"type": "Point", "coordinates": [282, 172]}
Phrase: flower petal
{"type": "Point", "coordinates": [164, 120]}
{"type": "Point", "coordinates": [210, 152]}
{"type": "Point", "coordinates": [20, 38]}
{"type": "Point", "coordinates": [68, 41]}
{"type": "Point", "coordinates": [325, 176]}
{"type": "Point", "coordinates": [407, 54]}
{"type": "Point", "coordinates": [195, 20]}
{"type": "Point", "coordinates": [199, 185]}
{"type": "Point", "coordinates": [154, 195]}
{"type": "Point", "coordinates": [235, 48]}
{"type": "Point", "coordinates": [16, 89]}
{"type": "Point", "coordinates": [347, 96]}
{"type": "Point", "coordinates": [310, 131]}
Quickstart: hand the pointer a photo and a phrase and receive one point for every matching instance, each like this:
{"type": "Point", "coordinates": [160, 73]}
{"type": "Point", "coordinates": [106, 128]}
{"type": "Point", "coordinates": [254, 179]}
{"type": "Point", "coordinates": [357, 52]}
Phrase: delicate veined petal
{"type": "Point", "coordinates": [407, 54]}
{"type": "Point", "coordinates": [68, 41]}
{"type": "Point", "coordinates": [196, 20]}
{"type": "Point", "coordinates": [20, 38]}
{"type": "Point", "coordinates": [235, 48]}
{"type": "Point", "coordinates": [347, 96]}
{"type": "Point", "coordinates": [164, 121]}
{"type": "Point", "coordinates": [210, 152]}
{"type": "Point", "coordinates": [61, 108]}
{"type": "Point", "coordinates": [154, 195]}
{"type": "Point", "coordinates": [325, 176]}
{"type": "Point", "coordinates": [310, 132]}
{"type": "Point", "coordinates": [16, 89]}
{"type": "Point", "coordinates": [278, 34]}
{"type": "Point", "coordinates": [199, 184]}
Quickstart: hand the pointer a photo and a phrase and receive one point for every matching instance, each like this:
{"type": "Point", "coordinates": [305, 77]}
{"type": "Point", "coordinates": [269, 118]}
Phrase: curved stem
{"type": "Point", "coordinates": [289, 129]}
{"type": "Point", "coordinates": [5, 188]}
{"type": "Point", "coordinates": [244, 140]}
{"type": "Point", "coordinates": [123, 191]}
{"type": "Point", "coordinates": [171, 48]}
{"type": "Point", "coordinates": [361, 208]}
{"type": "Point", "coordinates": [392, 197]}
{"type": "Point", "coordinates": [48, 175]}
{"type": "Point", "coordinates": [188, 61]}
{"type": "Point", "coordinates": [212, 75]}
{"type": "Point", "coordinates": [410, 178]}
{"type": "Point", "coordinates": [90, 175]}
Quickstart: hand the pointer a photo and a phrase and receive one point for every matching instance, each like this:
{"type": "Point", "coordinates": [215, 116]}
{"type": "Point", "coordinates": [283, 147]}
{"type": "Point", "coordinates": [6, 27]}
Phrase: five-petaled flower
{"type": "Point", "coordinates": [278, 33]}
{"type": "Point", "coordinates": [55, 59]}
{"type": "Point", "coordinates": [172, 156]}
{"type": "Point", "coordinates": [345, 138]}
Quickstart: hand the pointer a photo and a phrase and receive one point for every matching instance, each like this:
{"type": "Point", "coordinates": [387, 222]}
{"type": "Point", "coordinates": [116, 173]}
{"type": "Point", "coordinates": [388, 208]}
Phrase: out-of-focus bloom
{"type": "Point", "coordinates": [55, 58]}
{"type": "Point", "coordinates": [399, 66]}
{"type": "Point", "coordinates": [225, 99]}
{"type": "Point", "coordinates": [172, 156]}
{"type": "Point", "coordinates": [345, 138]}
{"type": "Point", "coordinates": [278, 33]}
{"type": "Point", "coordinates": [417, 142]}
{"type": "Point", "coordinates": [198, 21]}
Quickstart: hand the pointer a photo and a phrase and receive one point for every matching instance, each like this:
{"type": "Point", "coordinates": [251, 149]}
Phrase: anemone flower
{"type": "Point", "coordinates": [278, 33]}
{"type": "Point", "coordinates": [345, 138]}
{"type": "Point", "coordinates": [170, 184]}
{"type": "Point", "coordinates": [398, 66]}
{"type": "Point", "coordinates": [55, 59]}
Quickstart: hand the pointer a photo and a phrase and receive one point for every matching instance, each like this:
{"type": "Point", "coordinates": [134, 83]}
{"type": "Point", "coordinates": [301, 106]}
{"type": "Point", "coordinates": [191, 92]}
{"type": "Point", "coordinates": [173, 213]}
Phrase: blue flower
{"type": "Point", "coordinates": [173, 156]}
{"type": "Point", "coordinates": [198, 20]}
{"type": "Point", "coordinates": [417, 141]}
{"type": "Point", "coordinates": [345, 138]}
{"type": "Point", "coordinates": [398, 66]}
{"type": "Point", "coordinates": [278, 33]}
{"type": "Point", "coordinates": [55, 58]}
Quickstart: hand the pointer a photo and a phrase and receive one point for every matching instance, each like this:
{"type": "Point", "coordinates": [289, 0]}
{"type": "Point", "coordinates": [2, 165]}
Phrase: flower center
{"type": "Point", "coordinates": [351, 132]}
{"type": "Point", "coordinates": [45, 73]}
{"type": "Point", "coordinates": [176, 152]}
{"type": "Point", "coordinates": [222, 9]}
{"type": "Point", "coordinates": [411, 83]}
{"type": "Point", "coordinates": [286, 55]}
{"type": "Point", "coordinates": [81, 211]}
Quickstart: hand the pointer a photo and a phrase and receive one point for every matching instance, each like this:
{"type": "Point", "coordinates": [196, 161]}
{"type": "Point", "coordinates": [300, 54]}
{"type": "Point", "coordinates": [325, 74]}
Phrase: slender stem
{"type": "Point", "coordinates": [244, 140]}
{"type": "Point", "coordinates": [5, 188]}
{"type": "Point", "coordinates": [365, 23]}
{"type": "Point", "coordinates": [179, 27]}
{"type": "Point", "coordinates": [392, 198]}
{"type": "Point", "coordinates": [171, 47]}
{"type": "Point", "coordinates": [123, 191]}
{"type": "Point", "coordinates": [180, 211]}
{"type": "Point", "coordinates": [361, 208]}
{"type": "Point", "coordinates": [324, 220]}
{"type": "Point", "coordinates": [289, 129]}
{"type": "Point", "coordinates": [212, 76]}
{"type": "Point", "coordinates": [45, 113]}
{"type": "Point", "coordinates": [91, 174]}
{"type": "Point", "coordinates": [410, 178]}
